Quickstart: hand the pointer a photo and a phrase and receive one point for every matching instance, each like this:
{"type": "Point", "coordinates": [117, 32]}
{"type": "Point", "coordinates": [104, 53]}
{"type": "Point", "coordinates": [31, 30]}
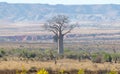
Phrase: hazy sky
{"type": "Point", "coordinates": [64, 1]}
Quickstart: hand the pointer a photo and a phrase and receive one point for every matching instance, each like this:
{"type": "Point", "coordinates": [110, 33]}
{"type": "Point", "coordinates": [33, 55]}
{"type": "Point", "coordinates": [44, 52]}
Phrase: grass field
{"type": "Point", "coordinates": [65, 64]}
{"type": "Point", "coordinates": [13, 62]}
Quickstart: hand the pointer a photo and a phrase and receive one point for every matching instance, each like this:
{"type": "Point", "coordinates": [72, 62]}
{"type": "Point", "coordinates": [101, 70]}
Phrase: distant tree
{"type": "Point", "coordinates": [60, 26]}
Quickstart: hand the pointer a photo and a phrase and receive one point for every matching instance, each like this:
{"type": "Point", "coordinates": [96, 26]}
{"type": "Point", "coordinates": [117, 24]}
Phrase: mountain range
{"type": "Point", "coordinates": [22, 21]}
{"type": "Point", "coordinates": [15, 12]}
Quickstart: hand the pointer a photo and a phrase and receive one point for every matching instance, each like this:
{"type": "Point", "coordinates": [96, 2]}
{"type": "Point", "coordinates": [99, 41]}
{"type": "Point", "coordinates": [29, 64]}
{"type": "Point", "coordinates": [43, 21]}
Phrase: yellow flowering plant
{"type": "Point", "coordinates": [42, 71]}
{"type": "Point", "coordinates": [81, 71]}
{"type": "Point", "coordinates": [113, 72]}
{"type": "Point", "coordinates": [23, 71]}
{"type": "Point", "coordinates": [61, 71]}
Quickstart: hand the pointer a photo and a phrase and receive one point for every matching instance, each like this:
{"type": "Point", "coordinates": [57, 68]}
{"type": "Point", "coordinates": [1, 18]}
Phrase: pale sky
{"type": "Point", "coordinates": [64, 1]}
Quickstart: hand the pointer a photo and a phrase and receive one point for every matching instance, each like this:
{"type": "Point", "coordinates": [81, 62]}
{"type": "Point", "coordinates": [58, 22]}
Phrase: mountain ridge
{"type": "Point", "coordinates": [19, 22]}
{"type": "Point", "coordinates": [23, 12]}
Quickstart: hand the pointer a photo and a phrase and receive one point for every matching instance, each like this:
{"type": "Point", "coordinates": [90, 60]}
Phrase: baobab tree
{"type": "Point", "coordinates": [60, 26]}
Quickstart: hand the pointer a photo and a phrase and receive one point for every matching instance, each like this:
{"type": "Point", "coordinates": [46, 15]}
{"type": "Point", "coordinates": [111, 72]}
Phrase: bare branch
{"type": "Point", "coordinates": [67, 31]}
{"type": "Point", "coordinates": [70, 27]}
{"type": "Point", "coordinates": [54, 31]}
{"type": "Point", "coordinates": [59, 25]}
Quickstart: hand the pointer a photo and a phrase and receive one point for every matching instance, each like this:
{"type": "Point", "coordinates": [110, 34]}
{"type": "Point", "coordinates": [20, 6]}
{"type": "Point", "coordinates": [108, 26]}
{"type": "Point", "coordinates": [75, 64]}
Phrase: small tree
{"type": "Point", "coordinates": [60, 26]}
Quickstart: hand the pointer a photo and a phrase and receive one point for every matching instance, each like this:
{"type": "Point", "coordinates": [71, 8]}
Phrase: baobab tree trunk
{"type": "Point", "coordinates": [60, 44]}
{"type": "Point", "coordinates": [60, 26]}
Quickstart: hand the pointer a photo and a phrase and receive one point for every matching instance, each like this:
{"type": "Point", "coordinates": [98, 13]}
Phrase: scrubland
{"type": "Point", "coordinates": [93, 58]}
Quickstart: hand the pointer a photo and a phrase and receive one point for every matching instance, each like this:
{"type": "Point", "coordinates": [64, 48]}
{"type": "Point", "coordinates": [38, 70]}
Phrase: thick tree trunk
{"type": "Point", "coordinates": [60, 45]}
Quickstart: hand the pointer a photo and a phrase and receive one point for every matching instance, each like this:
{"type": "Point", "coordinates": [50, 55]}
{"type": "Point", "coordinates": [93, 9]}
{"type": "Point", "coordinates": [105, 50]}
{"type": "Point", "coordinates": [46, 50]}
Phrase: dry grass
{"type": "Point", "coordinates": [65, 64]}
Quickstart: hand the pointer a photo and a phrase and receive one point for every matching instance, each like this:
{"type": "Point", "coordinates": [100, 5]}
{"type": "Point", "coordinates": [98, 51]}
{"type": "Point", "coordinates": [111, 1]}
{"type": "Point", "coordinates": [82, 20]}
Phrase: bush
{"type": "Point", "coordinates": [72, 56]}
{"type": "Point", "coordinates": [28, 54]}
{"type": "Point", "coordinates": [2, 53]}
{"type": "Point", "coordinates": [108, 58]}
{"type": "Point", "coordinates": [97, 58]}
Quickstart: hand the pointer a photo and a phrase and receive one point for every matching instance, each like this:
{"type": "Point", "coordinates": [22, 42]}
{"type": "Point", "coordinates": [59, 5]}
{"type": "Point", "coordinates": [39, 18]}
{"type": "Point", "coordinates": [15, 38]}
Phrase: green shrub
{"type": "Point", "coordinates": [97, 58]}
{"type": "Point", "coordinates": [2, 53]}
{"type": "Point", "coordinates": [108, 58]}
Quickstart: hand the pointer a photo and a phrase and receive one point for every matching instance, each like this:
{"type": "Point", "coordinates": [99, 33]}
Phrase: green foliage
{"type": "Point", "coordinates": [66, 50]}
{"type": "Point", "coordinates": [107, 57]}
{"type": "Point", "coordinates": [97, 58]}
{"type": "Point", "coordinates": [116, 56]}
{"type": "Point", "coordinates": [46, 54]}
{"type": "Point", "coordinates": [71, 54]}
{"type": "Point", "coordinates": [2, 53]}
